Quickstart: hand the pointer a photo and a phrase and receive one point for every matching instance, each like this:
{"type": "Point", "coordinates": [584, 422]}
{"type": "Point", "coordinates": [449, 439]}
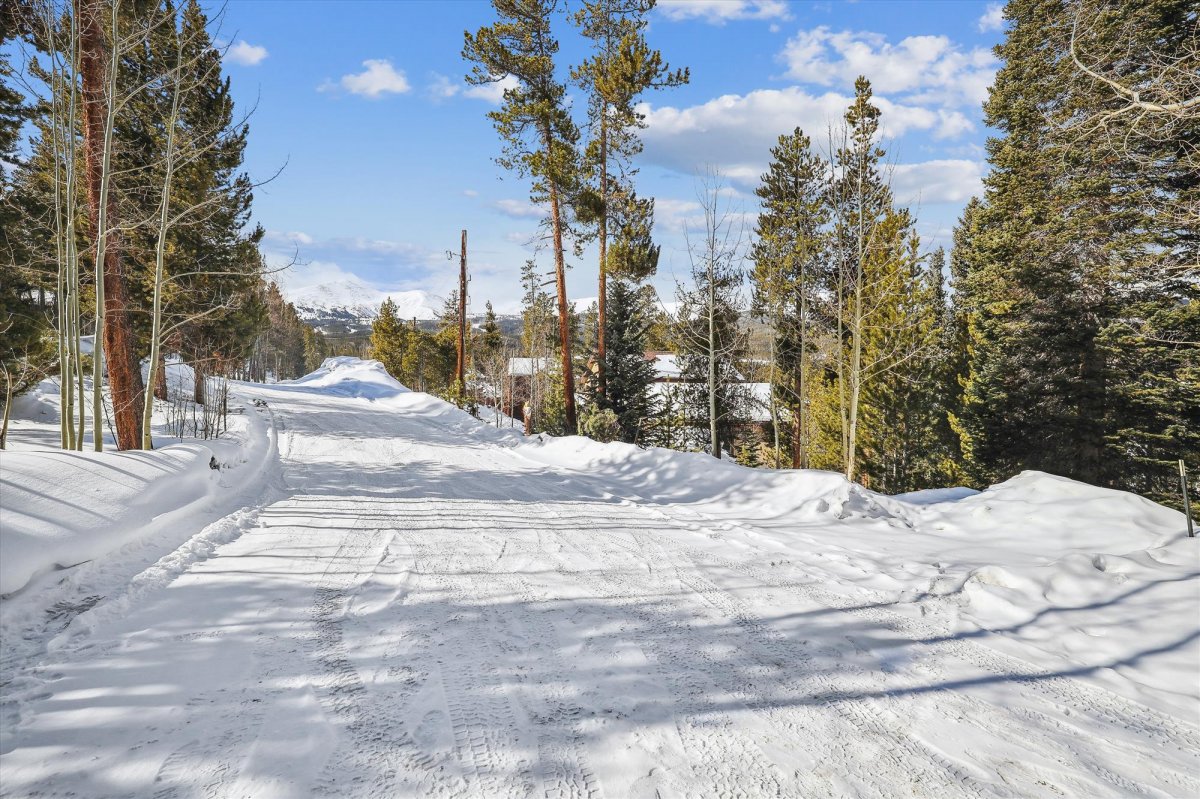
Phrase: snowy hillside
{"type": "Point", "coordinates": [376, 594]}
{"type": "Point", "coordinates": [354, 303]}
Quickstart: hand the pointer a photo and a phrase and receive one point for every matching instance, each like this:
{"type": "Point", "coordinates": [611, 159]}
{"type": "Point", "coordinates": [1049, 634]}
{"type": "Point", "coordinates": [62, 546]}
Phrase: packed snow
{"type": "Point", "coordinates": [375, 594]}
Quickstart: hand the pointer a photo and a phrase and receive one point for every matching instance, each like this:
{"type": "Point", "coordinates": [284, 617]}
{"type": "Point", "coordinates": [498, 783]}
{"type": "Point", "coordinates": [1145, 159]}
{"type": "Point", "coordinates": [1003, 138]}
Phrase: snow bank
{"type": "Point", "coordinates": [63, 508]}
{"type": "Point", "coordinates": [345, 376]}
{"type": "Point", "coordinates": [666, 476]}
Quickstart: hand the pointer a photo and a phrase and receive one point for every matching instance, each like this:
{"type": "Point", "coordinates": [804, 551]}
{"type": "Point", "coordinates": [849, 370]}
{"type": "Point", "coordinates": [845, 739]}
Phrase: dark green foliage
{"type": "Point", "coordinates": [420, 360]}
{"type": "Point", "coordinates": [630, 375]}
{"type": "Point", "coordinates": [790, 279]}
{"type": "Point", "coordinates": [491, 342]}
{"type": "Point", "coordinates": [1079, 276]}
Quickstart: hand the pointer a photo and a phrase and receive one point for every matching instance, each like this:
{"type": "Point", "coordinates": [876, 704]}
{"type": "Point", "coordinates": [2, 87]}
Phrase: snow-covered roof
{"type": "Point", "coordinates": [666, 367]}
{"type": "Point", "coordinates": [525, 367]}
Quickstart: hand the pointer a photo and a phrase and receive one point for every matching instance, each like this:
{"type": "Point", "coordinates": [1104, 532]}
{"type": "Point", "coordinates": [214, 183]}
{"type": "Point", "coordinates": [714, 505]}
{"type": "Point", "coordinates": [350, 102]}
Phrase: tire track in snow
{"type": "Point", "coordinates": [561, 762]}
{"type": "Point", "coordinates": [1062, 693]}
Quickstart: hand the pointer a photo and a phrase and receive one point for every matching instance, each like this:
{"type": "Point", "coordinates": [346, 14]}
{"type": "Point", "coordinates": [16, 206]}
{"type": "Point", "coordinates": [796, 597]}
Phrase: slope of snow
{"type": "Point", "coordinates": [428, 606]}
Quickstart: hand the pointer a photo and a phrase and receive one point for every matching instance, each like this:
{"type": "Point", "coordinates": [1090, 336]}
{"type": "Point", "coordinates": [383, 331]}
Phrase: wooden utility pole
{"type": "Point", "coordinates": [460, 369]}
{"type": "Point", "coordinates": [1187, 502]}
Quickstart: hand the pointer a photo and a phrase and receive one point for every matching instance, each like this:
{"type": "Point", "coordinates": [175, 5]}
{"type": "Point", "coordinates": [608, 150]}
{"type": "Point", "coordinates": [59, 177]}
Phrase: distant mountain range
{"type": "Point", "coordinates": [351, 304]}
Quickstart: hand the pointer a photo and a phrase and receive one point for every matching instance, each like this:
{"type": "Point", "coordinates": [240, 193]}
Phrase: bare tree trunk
{"type": "Point", "coordinates": [564, 316]}
{"type": "Point", "coordinates": [114, 334]}
{"type": "Point", "coordinates": [199, 377]}
{"type": "Point", "coordinates": [712, 350]}
{"type": "Point", "coordinates": [160, 255]}
{"type": "Point", "coordinates": [8, 398]}
{"type": "Point", "coordinates": [160, 381]}
{"type": "Point", "coordinates": [460, 368]}
{"type": "Point", "coordinates": [602, 299]}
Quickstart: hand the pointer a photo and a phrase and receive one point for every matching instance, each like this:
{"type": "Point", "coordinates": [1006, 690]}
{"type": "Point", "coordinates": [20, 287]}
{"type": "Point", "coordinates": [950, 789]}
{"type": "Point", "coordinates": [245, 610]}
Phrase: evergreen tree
{"type": "Point", "coordinates": [630, 375]}
{"type": "Point", "coordinates": [620, 69]}
{"type": "Point", "coordinates": [389, 339]}
{"type": "Point", "coordinates": [492, 341]}
{"type": "Point", "coordinates": [790, 281]}
{"type": "Point", "coordinates": [539, 135]}
{"type": "Point", "coordinates": [1079, 279]}
{"type": "Point", "coordinates": [870, 251]}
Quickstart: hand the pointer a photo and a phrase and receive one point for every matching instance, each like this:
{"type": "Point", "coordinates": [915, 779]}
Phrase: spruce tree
{"type": "Point", "coordinates": [492, 341]}
{"type": "Point", "coordinates": [790, 278]}
{"type": "Point", "coordinates": [389, 338]}
{"type": "Point", "coordinates": [540, 137]}
{"type": "Point", "coordinates": [630, 375]}
{"type": "Point", "coordinates": [1078, 276]}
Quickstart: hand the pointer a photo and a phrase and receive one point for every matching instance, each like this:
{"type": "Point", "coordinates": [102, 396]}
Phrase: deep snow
{"type": "Point", "coordinates": [381, 596]}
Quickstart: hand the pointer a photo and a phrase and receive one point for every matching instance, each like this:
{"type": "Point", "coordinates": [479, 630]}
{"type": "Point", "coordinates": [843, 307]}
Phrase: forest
{"type": "Point", "coordinates": [1060, 332]}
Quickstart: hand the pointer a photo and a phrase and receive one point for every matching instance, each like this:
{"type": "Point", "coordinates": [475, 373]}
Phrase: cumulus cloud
{"type": "Point", "coordinates": [520, 209]}
{"type": "Point", "coordinates": [293, 237]}
{"type": "Point", "coordinates": [993, 18]}
{"type": "Point", "coordinates": [353, 249]}
{"type": "Point", "coordinates": [492, 92]}
{"type": "Point", "coordinates": [378, 78]}
{"type": "Point", "coordinates": [736, 132]}
{"type": "Point", "coordinates": [718, 12]}
{"type": "Point", "coordinates": [941, 181]}
{"type": "Point", "coordinates": [929, 69]}
{"type": "Point", "coordinates": [246, 54]}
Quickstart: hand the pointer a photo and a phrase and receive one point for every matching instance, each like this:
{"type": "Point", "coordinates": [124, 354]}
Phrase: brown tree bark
{"type": "Point", "coordinates": [120, 353]}
{"type": "Point", "coordinates": [602, 299]}
{"type": "Point", "coordinates": [564, 316]}
{"type": "Point", "coordinates": [160, 381]}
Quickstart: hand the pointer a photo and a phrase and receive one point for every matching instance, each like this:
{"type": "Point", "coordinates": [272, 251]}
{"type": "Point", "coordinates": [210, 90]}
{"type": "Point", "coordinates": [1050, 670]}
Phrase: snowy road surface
{"type": "Point", "coordinates": [426, 612]}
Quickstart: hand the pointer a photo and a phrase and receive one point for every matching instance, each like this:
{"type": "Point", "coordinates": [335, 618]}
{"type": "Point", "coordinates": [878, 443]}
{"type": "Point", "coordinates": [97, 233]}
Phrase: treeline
{"type": "Point", "coordinates": [1061, 332]}
{"type": "Point", "coordinates": [126, 218]}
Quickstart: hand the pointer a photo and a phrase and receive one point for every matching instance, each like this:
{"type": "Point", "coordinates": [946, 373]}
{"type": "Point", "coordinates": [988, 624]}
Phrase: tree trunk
{"type": "Point", "coordinates": [602, 299]}
{"type": "Point", "coordinates": [199, 379]}
{"type": "Point", "coordinates": [460, 368]}
{"type": "Point", "coordinates": [160, 382]}
{"type": "Point", "coordinates": [712, 361]}
{"type": "Point", "coordinates": [115, 346]}
{"type": "Point", "coordinates": [8, 398]}
{"type": "Point", "coordinates": [564, 316]}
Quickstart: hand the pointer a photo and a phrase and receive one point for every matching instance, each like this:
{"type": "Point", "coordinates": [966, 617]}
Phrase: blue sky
{"type": "Point", "coordinates": [387, 154]}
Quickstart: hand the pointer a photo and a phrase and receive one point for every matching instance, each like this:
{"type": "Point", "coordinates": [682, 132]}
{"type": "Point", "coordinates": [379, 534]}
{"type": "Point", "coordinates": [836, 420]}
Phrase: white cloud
{"type": "Point", "coordinates": [993, 18]}
{"type": "Point", "coordinates": [941, 181]}
{"type": "Point", "coordinates": [736, 132]}
{"type": "Point", "coordinates": [377, 79]}
{"type": "Point", "coordinates": [932, 69]}
{"type": "Point", "coordinates": [245, 54]}
{"type": "Point", "coordinates": [470, 193]}
{"type": "Point", "coordinates": [492, 92]}
{"type": "Point", "coordinates": [291, 237]}
{"type": "Point", "coordinates": [670, 215]}
{"type": "Point", "coordinates": [442, 87]}
{"type": "Point", "coordinates": [718, 12]}
{"type": "Point", "coordinates": [519, 209]}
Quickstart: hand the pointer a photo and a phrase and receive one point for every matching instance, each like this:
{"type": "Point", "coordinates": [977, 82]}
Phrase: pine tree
{"type": "Point", "coordinates": [790, 281]}
{"type": "Point", "coordinates": [1077, 257]}
{"type": "Point", "coordinates": [492, 341]}
{"type": "Point", "coordinates": [630, 375]}
{"type": "Point", "coordinates": [621, 68]}
{"type": "Point", "coordinates": [389, 339]}
{"type": "Point", "coordinates": [540, 137]}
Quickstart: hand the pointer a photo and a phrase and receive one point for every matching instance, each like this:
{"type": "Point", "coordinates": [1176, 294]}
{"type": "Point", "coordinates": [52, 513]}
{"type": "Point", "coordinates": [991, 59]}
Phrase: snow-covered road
{"type": "Point", "coordinates": [426, 611]}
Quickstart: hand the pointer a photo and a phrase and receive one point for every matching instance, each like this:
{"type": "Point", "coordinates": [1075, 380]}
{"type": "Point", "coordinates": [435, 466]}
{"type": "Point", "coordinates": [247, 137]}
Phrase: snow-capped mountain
{"type": "Point", "coordinates": [351, 303]}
